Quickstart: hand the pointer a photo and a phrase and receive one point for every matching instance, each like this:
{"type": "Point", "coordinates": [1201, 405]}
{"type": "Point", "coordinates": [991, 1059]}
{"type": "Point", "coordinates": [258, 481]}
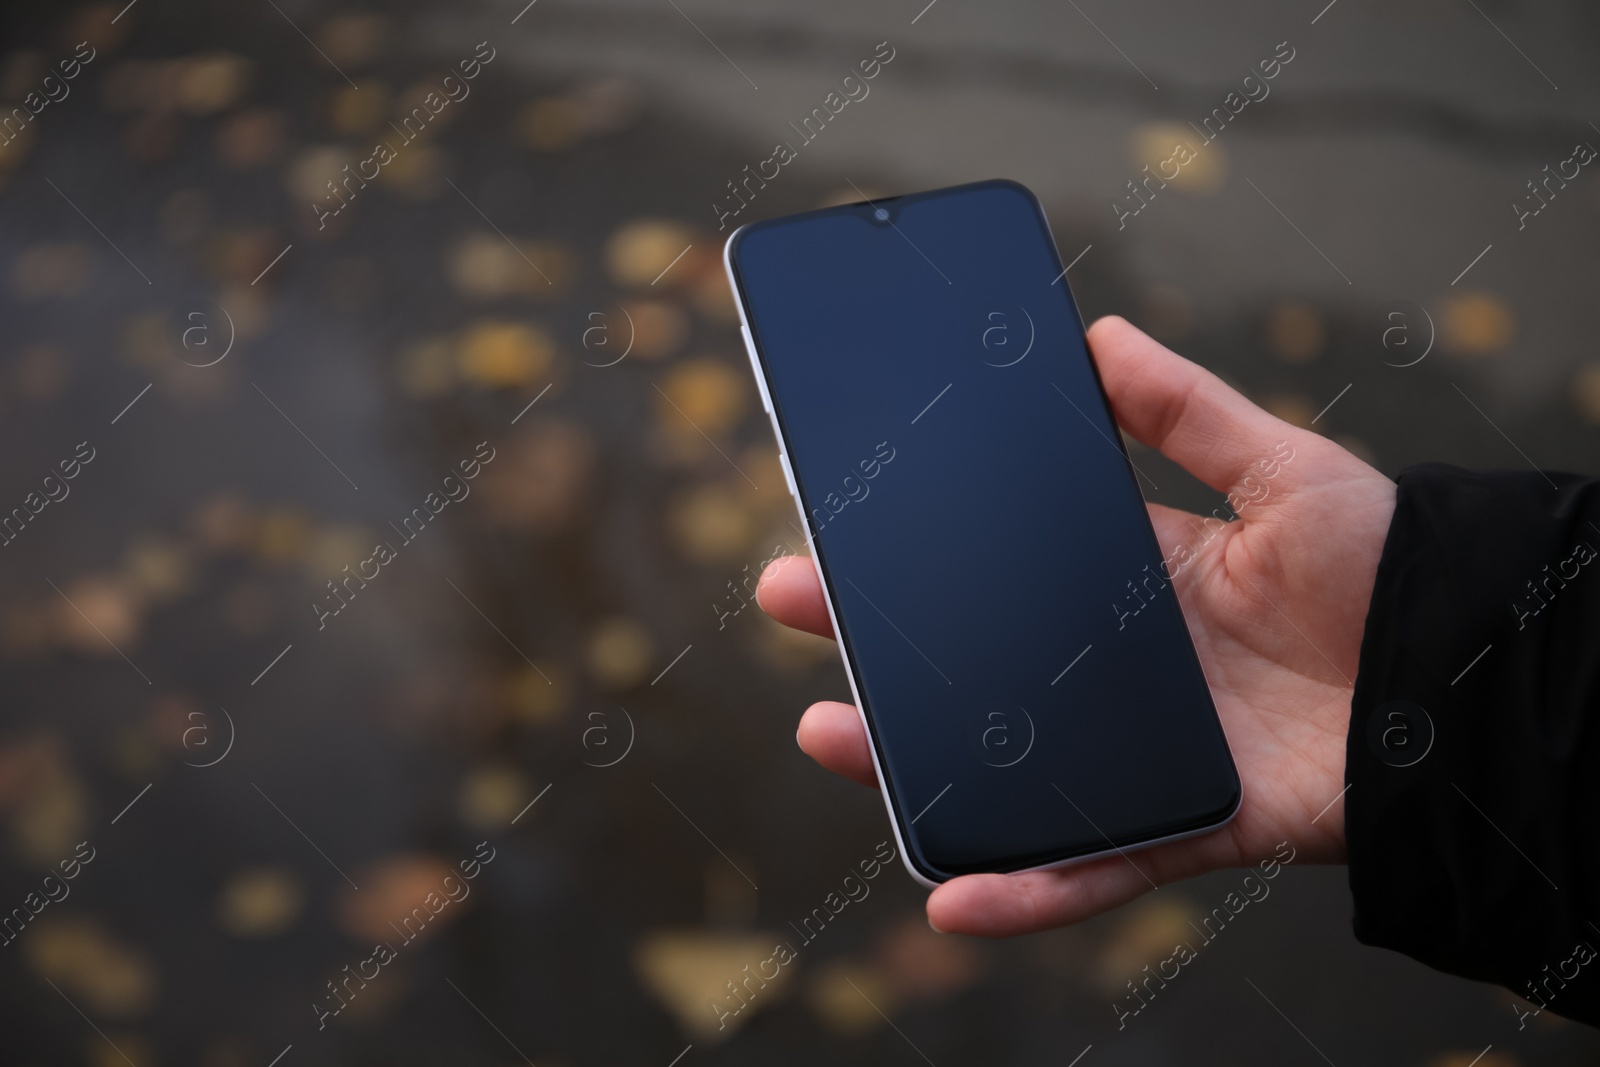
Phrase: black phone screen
{"type": "Point", "coordinates": [1023, 661]}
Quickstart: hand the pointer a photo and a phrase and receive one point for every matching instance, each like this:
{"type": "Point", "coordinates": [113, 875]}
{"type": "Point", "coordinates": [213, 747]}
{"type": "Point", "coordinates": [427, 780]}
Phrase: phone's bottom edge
{"type": "Point", "coordinates": [930, 884]}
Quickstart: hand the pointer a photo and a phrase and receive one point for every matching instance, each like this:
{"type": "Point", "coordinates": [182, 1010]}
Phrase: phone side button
{"type": "Point", "coordinates": [761, 381]}
{"type": "Point", "coordinates": [788, 476]}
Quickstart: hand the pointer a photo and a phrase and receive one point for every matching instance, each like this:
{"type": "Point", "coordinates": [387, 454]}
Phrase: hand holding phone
{"type": "Point", "coordinates": [1275, 602]}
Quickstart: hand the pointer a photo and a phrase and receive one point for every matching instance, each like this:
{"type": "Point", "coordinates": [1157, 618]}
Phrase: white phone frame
{"type": "Point", "coordinates": [833, 618]}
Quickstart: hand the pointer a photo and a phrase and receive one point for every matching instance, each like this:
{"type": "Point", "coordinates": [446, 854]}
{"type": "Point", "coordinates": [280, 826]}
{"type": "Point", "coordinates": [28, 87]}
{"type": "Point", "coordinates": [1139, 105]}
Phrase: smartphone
{"type": "Point", "coordinates": [1016, 650]}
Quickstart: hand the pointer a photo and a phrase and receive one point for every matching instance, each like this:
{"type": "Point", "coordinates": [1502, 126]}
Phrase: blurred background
{"type": "Point", "coordinates": [561, 665]}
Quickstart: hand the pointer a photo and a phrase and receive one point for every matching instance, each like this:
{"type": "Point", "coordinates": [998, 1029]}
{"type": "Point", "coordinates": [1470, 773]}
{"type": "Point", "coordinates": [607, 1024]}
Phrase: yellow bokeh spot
{"type": "Point", "coordinates": [491, 797]}
{"type": "Point", "coordinates": [703, 396]}
{"type": "Point", "coordinates": [1156, 143]}
{"type": "Point", "coordinates": [1145, 934]}
{"type": "Point", "coordinates": [848, 997]}
{"type": "Point", "coordinates": [1295, 331]}
{"type": "Point", "coordinates": [537, 695]}
{"type": "Point", "coordinates": [640, 251]}
{"type": "Point", "coordinates": [619, 653]}
{"type": "Point", "coordinates": [1586, 391]}
{"type": "Point", "coordinates": [499, 355]}
{"type": "Point", "coordinates": [212, 83]}
{"type": "Point", "coordinates": [356, 110]}
{"type": "Point", "coordinates": [714, 523]}
{"type": "Point", "coordinates": [689, 972]}
{"type": "Point", "coordinates": [1476, 324]}
{"type": "Point", "coordinates": [261, 902]}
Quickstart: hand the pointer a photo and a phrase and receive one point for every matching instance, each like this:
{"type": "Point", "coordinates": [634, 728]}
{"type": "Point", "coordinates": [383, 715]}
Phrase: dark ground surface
{"type": "Point", "coordinates": [532, 634]}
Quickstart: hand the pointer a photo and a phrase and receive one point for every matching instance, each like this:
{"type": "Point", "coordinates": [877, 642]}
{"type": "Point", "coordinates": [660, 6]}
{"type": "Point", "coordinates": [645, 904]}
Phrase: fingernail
{"type": "Point", "coordinates": [932, 927]}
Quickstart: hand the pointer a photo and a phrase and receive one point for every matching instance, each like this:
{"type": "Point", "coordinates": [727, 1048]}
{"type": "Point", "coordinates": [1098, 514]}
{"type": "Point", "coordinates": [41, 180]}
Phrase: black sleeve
{"type": "Point", "coordinates": [1472, 816]}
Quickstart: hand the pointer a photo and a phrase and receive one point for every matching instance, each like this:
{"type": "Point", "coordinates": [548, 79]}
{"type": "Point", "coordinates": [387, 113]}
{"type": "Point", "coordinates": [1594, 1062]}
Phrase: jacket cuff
{"type": "Point", "coordinates": [1471, 761]}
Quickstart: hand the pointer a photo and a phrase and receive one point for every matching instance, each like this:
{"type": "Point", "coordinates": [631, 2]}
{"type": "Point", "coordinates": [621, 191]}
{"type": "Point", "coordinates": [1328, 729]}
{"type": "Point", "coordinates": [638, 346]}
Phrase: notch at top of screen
{"type": "Point", "coordinates": [879, 212]}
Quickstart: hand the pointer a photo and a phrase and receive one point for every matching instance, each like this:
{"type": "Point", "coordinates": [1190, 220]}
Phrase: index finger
{"type": "Point", "coordinates": [790, 592]}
